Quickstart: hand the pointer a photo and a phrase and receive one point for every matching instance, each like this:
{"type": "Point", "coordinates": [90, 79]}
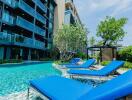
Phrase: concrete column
{"type": "Point", "coordinates": [8, 53]}
{"type": "Point", "coordinates": [29, 54]}
{"type": "Point", "coordinates": [21, 53]}
{"type": "Point", "coordinates": [1, 53]}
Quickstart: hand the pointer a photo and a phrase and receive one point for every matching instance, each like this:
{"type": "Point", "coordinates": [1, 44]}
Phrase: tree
{"type": "Point", "coordinates": [70, 38]}
{"type": "Point", "coordinates": [111, 30]}
{"type": "Point", "coordinates": [92, 41]}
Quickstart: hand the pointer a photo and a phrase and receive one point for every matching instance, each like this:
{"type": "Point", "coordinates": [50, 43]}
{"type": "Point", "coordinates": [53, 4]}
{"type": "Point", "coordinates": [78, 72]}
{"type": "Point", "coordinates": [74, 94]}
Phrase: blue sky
{"type": "Point", "coordinates": [91, 12]}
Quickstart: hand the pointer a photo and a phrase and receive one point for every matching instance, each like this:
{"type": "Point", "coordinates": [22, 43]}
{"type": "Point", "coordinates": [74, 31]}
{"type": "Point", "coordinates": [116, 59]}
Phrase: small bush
{"type": "Point", "coordinates": [81, 55]}
{"type": "Point", "coordinates": [10, 61]}
{"type": "Point", "coordinates": [46, 59]}
{"type": "Point", "coordinates": [128, 65]}
{"type": "Point", "coordinates": [104, 63]}
{"type": "Point", "coordinates": [60, 62]}
{"type": "Point", "coordinates": [125, 54]}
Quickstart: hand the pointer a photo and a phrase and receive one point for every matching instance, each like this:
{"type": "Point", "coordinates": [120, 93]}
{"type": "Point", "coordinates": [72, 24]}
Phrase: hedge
{"type": "Point", "coordinates": [126, 65]}
{"type": "Point", "coordinates": [125, 54]}
{"type": "Point", "coordinates": [10, 61]}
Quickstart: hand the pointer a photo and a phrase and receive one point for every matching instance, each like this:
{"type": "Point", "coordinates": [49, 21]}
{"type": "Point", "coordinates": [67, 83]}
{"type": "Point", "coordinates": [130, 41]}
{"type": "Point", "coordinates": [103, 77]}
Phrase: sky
{"type": "Point", "coordinates": [91, 12]}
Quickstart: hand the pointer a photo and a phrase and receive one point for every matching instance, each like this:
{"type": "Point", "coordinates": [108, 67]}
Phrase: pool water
{"type": "Point", "coordinates": [15, 78]}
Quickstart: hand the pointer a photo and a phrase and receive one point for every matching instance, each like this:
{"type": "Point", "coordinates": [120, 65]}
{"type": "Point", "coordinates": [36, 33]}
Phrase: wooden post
{"type": "Point", "coordinates": [87, 54]}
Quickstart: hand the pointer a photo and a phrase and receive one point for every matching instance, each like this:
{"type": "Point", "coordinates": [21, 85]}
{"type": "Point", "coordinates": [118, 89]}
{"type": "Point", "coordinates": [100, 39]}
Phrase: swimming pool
{"type": "Point", "coordinates": [15, 78]}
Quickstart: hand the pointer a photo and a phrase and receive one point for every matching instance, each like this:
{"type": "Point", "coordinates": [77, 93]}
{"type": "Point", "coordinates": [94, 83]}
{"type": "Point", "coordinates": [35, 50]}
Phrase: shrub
{"type": "Point", "coordinates": [125, 54]}
{"type": "Point", "coordinates": [81, 55]}
{"type": "Point", "coordinates": [55, 53]}
{"type": "Point", "coordinates": [10, 61]}
{"type": "Point", "coordinates": [128, 65]}
{"type": "Point", "coordinates": [46, 59]}
{"type": "Point", "coordinates": [104, 63]}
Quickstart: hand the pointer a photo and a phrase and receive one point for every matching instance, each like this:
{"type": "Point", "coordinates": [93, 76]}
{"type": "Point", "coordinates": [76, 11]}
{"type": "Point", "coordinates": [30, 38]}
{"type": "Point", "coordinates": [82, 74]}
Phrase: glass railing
{"type": "Point", "coordinates": [50, 39]}
{"type": "Point", "coordinates": [25, 24]}
{"type": "Point", "coordinates": [68, 11]}
{"type": "Point", "coordinates": [71, 1]}
{"type": "Point", "coordinates": [4, 37]}
{"type": "Point", "coordinates": [26, 8]}
{"type": "Point", "coordinates": [20, 40]}
{"type": "Point", "coordinates": [28, 41]}
{"type": "Point", "coordinates": [40, 18]}
{"type": "Point", "coordinates": [39, 44]}
{"type": "Point", "coordinates": [7, 18]}
{"type": "Point", "coordinates": [11, 3]}
{"type": "Point", "coordinates": [31, 11]}
{"type": "Point", "coordinates": [40, 31]}
{"type": "Point", "coordinates": [41, 5]}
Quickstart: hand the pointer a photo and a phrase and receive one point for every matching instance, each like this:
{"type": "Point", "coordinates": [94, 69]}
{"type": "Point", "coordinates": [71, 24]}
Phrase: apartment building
{"type": "Point", "coordinates": [26, 28]}
{"type": "Point", "coordinates": [65, 13]}
{"type": "Point", "coordinates": [71, 14]}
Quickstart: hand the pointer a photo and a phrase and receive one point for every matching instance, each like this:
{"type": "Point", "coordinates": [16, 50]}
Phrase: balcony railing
{"type": "Point", "coordinates": [25, 24]}
{"type": "Point", "coordinates": [40, 5]}
{"type": "Point", "coordinates": [7, 18]}
{"type": "Point", "coordinates": [21, 4]}
{"type": "Point", "coordinates": [70, 1]}
{"type": "Point", "coordinates": [29, 26]}
{"type": "Point", "coordinates": [26, 8]}
{"type": "Point", "coordinates": [39, 44]}
{"type": "Point", "coordinates": [20, 40]}
{"type": "Point", "coordinates": [40, 18]}
{"type": "Point", "coordinates": [4, 37]}
{"type": "Point", "coordinates": [40, 31]}
{"type": "Point", "coordinates": [11, 3]}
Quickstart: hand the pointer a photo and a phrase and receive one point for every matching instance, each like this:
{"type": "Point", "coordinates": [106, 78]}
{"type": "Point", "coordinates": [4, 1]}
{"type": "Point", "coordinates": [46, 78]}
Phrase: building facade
{"type": "Point", "coordinates": [71, 14]}
{"type": "Point", "coordinates": [26, 28]}
{"type": "Point", "coordinates": [65, 13]}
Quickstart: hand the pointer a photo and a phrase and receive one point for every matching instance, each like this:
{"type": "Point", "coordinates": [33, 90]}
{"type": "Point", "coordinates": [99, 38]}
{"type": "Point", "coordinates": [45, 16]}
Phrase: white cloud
{"type": "Point", "coordinates": [101, 5]}
{"type": "Point", "coordinates": [92, 6]}
{"type": "Point", "coordinates": [123, 6]}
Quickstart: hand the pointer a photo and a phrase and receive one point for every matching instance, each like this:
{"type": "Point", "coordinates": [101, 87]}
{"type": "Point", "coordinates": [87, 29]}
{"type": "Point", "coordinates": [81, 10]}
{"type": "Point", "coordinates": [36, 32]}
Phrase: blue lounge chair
{"type": "Point", "coordinates": [86, 64]}
{"type": "Point", "coordinates": [59, 88]}
{"type": "Point", "coordinates": [73, 61]}
{"type": "Point", "coordinates": [114, 65]}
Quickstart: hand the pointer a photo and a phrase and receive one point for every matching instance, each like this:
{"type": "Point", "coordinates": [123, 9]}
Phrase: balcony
{"type": "Point", "coordinates": [25, 24]}
{"type": "Point", "coordinates": [40, 18]}
{"type": "Point", "coordinates": [50, 40]}
{"type": "Point", "coordinates": [28, 42]}
{"type": "Point", "coordinates": [69, 11]}
{"type": "Point", "coordinates": [39, 44]}
{"type": "Point", "coordinates": [29, 26]}
{"type": "Point", "coordinates": [21, 40]}
{"type": "Point", "coordinates": [40, 5]}
{"type": "Point", "coordinates": [21, 4]}
{"type": "Point", "coordinates": [15, 39]}
{"type": "Point", "coordinates": [68, 1]}
{"type": "Point", "coordinates": [7, 18]}
{"type": "Point", "coordinates": [39, 31]}
{"type": "Point", "coordinates": [11, 3]}
{"type": "Point", "coordinates": [5, 38]}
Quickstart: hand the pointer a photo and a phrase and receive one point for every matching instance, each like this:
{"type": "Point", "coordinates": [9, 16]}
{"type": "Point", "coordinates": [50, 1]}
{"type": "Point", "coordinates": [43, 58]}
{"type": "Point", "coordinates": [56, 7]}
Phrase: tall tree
{"type": "Point", "coordinates": [111, 30]}
{"type": "Point", "coordinates": [92, 41]}
{"type": "Point", "coordinates": [70, 38]}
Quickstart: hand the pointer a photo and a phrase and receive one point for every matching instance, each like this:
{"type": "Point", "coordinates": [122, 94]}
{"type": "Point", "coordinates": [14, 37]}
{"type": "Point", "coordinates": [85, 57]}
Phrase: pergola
{"type": "Point", "coordinates": [99, 48]}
